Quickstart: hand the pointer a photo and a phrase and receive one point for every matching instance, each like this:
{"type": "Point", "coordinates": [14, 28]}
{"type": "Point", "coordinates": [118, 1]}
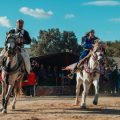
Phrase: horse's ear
{"type": "Point", "coordinates": [7, 33]}
{"type": "Point", "coordinates": [96, 44]}
{"type": "Point", "coordinates": [97, 41]}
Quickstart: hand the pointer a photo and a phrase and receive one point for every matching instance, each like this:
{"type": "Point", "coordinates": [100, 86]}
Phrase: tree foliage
{"type": "Point", "coordinates": [113, 49]}
{"type": "Point", "coordinates": [54, 41]}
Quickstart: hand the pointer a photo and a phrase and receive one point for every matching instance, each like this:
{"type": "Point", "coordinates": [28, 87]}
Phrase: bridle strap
{"type": "Point", "coordinates": [95, 57]}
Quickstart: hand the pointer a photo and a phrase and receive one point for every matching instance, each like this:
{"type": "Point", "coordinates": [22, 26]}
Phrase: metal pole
{"type": "Point", "coordinates": [34, 90]}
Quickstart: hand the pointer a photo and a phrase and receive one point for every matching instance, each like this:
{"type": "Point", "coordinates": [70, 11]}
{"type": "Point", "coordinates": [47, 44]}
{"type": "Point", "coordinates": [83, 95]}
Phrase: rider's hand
{"type": "Point", "coordinates": [20, 40]}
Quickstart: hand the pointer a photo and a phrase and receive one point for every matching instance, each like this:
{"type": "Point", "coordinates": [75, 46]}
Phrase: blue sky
{"type": "Point", "coordinates": [73, 15]}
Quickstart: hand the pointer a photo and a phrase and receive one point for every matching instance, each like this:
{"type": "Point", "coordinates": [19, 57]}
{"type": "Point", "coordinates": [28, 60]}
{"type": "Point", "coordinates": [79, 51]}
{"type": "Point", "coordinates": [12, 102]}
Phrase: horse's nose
{"type": "Point", "coordinates": [100, 60]}
{"type": "Point", "coordinates": [9, 50]}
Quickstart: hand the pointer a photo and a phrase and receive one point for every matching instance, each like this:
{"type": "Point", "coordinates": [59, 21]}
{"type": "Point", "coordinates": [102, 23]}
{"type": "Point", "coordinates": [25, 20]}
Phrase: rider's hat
{"type": "Point", "coordinates": [20, 21]}
{"type": "Point", "coordinates": [92, 31]}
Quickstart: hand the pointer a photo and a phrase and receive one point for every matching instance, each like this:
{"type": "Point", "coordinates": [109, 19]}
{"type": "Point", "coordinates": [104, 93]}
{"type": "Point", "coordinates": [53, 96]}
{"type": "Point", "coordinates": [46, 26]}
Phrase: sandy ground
{"type": "Point", "coordinates": [61, 108]}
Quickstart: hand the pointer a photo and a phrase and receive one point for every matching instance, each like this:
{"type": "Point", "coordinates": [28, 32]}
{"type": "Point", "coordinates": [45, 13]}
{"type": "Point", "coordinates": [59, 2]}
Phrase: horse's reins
{"type": "Point", "coordinates": [94, 57]}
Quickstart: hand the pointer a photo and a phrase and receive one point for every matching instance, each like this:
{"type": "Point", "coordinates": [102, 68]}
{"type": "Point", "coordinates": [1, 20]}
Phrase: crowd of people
{"type": "Point", "coordinates": [41, 75]}
{"type": "Point", "coordinates": [110, 81]}
{"type": "Point", "coordinates": [48, 75]}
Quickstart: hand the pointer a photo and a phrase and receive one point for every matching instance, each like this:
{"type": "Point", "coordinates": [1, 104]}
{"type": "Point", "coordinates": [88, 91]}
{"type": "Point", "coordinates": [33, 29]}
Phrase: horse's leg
{"type": "Point", "coordinates": [14, 99]}
{"type": "Point", "coordinates": [16, 91]}
{"type": "Point", "coordinates": [7, 98]}
{"type": "Point", "coordinates": [4, 88]}
{"type": "Point", "coordinates": [95, 101]}
{"type": "Point", "coordinates": [86, 87]}
{"type": "Point", "coordinates": [79, 81]}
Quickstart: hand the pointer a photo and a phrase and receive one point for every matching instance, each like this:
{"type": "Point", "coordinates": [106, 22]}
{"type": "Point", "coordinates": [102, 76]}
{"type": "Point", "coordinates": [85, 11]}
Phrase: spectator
{"type": "Point", "coordinates": [55, 74]}
{"type": "Point", "coordinates": [0, 76]}
{"type": "Point", "coordinates": [0, 82]}
{"type": "Point", "coordinates": [41, 78]}
{"type": "Point", "coordinates": [119, 80]}
{"type": "Point", "coordinates": [31, 83]}
{"type": "Point", "coordinates": [25, 87]}
{"type": "Point", "coordinates": [49, 71]}
{"type": "Point", "coordinates": [116, 77]}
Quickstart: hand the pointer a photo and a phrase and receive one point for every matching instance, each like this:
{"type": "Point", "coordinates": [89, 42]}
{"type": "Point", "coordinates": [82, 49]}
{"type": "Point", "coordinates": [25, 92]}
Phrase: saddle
{"type": "Point", "coordinates": [79, 67]}
{"type": "Point", "coordinates": [81, 62]}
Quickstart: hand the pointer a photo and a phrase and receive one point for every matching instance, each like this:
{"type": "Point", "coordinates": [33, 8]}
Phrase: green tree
{"type": "Point", "coordinates": [113, 48]}
{"type": "Point", "coordinates": [53, 41]}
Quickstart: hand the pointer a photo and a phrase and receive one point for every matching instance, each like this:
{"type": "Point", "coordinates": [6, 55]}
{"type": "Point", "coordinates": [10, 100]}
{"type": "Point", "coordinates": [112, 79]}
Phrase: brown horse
{"type": "Point", "coordinates": [12, 71]}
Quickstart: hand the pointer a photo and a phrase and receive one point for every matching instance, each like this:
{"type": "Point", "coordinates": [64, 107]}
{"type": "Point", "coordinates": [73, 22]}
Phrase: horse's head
{"type": "Point", "coordinates": [98, 52]}
{"type": "Point", "coordinates": [12, 44]}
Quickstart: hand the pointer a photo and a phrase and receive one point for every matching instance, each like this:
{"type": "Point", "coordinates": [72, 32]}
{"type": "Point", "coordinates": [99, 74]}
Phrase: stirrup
{"type": "Point", "coordinates": [70, 76]}
{"type": "Point", "coordinates": [80, 68]}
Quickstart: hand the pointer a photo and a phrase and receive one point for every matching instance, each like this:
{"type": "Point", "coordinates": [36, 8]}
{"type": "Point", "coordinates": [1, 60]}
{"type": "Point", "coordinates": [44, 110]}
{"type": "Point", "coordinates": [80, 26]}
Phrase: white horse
{"type": "Point", "coordinates": [90, 74]}
{"type": "Point", "coordinates": [12, 71]}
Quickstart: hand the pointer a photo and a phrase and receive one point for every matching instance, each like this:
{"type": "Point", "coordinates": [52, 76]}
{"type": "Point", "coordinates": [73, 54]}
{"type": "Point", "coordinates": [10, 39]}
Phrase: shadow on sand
{"type": "Point", "coordinates": [106, 111]}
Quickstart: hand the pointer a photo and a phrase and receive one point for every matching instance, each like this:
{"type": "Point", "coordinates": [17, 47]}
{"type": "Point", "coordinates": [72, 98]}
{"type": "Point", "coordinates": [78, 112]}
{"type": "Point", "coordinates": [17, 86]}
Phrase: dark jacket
{"type": "Point", "coordinates": [27, 39]}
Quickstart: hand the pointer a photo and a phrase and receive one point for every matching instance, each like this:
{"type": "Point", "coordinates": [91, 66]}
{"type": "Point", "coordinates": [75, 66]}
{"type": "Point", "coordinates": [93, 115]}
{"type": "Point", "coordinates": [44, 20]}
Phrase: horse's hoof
{"type": "Point", "coordinates": [13, 107]}
{"type": "Point", "coordinates": [83, 107]}
{"type": "Point", "coordinates": [95, 102]}
{"type": "Point", "coordinates": [4, 111]}
{"type": "Point", "coordinates": [1, 109]}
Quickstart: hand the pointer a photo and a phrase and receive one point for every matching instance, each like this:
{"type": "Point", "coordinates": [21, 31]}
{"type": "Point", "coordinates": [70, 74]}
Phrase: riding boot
{"type": "Point", "coordinates": [79, 64]}
{"type": "Point", "coordinates": [71, 75]}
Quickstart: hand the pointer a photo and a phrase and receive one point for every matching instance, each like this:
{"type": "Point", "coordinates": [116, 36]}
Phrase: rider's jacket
{"type": "Point", "coordinates": [87, 44]}
{"type": "Point", "coordinates": [24, 33]}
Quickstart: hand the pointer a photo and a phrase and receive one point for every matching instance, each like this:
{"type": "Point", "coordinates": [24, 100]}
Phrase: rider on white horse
{"type": "Point", "coordinates": [87, 43]}
{"type": "Point", "coordinates": [24, 39]}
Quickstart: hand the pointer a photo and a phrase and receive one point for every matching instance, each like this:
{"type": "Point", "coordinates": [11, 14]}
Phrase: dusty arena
{"type": "Point", "coordinates": [62, 108]}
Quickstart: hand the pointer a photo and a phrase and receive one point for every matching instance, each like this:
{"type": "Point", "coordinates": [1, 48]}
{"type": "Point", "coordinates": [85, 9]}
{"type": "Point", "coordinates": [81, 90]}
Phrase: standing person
{"type": "Point", "coordinates": [87, 43]}
{"type": "Point", "coordinates": [43, 76]}
{"type": "Point", "coordinates": [119, 80]}
{"type": "Point", "coordinates": [31, 83]}
{"type": "Point", "coordinates": [0, 81]}
{"type": "Point", "coordinates": [0, 76]}
{"type": "Point", "coordinates": [113, 80]}
{"type": "Point", "coordinates": [24, 38]}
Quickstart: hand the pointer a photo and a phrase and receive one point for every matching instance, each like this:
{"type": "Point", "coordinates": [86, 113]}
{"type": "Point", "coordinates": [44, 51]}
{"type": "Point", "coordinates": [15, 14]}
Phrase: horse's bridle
{"type": "Point", "coordinates": [12, 51]}
{"type": "Point", "coordinates": [94, 53]}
